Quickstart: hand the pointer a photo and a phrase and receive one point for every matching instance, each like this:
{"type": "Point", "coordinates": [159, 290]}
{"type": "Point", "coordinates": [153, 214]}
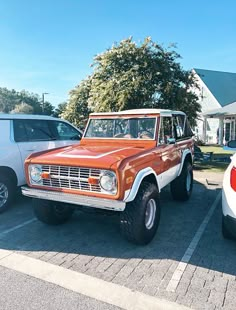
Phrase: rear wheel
{"type": "Point", "coordinates": [7, 192]}
{"type": "Point", "coordinates": [225, 232]}
{"type": "Point", "coordinates": [52, 212]}
{"type": "Point", "coordinates": [140, 219]}
{"type": "Point", "coordinates": [181, 187]}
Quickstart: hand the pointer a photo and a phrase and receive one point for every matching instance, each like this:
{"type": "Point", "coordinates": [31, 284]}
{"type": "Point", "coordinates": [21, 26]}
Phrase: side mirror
{"type": "Point", "coordinates": [171, 140]}
{"type": "Point", "coordinates": [76, 137]}
{"type": "Point", "coordinates": [232, 144]}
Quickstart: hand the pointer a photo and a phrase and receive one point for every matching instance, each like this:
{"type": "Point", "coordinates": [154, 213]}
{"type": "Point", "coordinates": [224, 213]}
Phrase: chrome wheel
{"type": "Point", "coordinates": [150, 213]}
{"type": "Point", "coordinates": [3, 194]}
{"type": "Point", "coordinates": [188, 181]}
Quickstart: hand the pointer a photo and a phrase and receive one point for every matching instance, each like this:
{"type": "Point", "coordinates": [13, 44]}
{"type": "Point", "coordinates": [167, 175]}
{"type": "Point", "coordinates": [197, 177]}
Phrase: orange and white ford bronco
{"type": "Point", "coordinates": [122, 163]}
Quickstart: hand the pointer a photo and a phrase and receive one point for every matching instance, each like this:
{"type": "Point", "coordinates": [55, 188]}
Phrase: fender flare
{"type": "Point", "coordinates": [184, 155]}
{"type": "Point", "coordinates": [131, 194]}
{"type": "Point", "coordinates": [10, 173]}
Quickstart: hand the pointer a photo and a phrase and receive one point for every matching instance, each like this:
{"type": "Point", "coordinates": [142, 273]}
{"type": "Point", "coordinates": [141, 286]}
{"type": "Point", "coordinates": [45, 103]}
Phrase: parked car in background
{"type": "Point", "coordinates": [229, 197]}
{"type": "Point", "coordinates": [21, 135]}
{"type": "Point", "coordinates": [123, 161]}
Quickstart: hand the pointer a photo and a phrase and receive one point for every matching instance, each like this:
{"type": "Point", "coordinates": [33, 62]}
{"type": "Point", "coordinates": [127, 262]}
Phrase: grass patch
{"type": "Point", "coordinates": [212, 166]}
{"type": "Point", "coordinates": [216, 149]}
{"type": "Point", "coordinates": [217, 162]}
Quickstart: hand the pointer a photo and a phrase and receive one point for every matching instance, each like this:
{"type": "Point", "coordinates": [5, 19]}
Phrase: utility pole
{"type": "Point", "coordinates": [43, 100]}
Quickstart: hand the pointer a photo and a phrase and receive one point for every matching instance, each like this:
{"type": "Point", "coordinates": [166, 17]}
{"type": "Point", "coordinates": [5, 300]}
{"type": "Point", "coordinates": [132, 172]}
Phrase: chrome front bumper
{"type": "Point", "coordinates": [94, 202]}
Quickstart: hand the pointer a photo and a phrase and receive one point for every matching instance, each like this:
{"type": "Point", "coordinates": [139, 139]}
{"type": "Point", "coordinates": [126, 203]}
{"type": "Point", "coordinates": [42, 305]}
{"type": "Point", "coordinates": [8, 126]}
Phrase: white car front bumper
{"type": "Point", "coordinates": [229, 203]}
{"type": "Point", "coordinates": [228, 196]}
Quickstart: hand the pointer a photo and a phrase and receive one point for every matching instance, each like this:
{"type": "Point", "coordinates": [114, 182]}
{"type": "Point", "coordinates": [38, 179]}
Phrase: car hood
{"type": "Point", "coordinates": [86, 156]}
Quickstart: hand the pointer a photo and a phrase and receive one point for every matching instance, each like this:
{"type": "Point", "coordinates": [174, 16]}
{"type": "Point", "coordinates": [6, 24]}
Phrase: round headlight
{"type": "Point", "coordinates": [108, 181]}
{"type": "Point", "coordinates": [35, 173]}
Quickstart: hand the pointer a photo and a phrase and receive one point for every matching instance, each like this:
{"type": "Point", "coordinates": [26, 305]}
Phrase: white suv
{"type": "Point", "coordinates": [21, 135]}
{"type": "Point", "coordinates": [229, 196]}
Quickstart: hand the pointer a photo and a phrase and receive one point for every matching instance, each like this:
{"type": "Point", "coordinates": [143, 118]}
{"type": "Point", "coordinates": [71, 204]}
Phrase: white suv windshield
{"type": "Point", "coordinates": [123, 128]}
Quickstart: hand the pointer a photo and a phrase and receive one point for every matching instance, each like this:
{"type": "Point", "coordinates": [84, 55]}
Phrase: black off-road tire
{"type": "Point", "coordinates": [225, 232]}
{"type": "Point", "coordinates": [51, 212]}
{"type": "Point", "coordinates": [7, 192]}
{"type": "Point", "coordinates": [181, 187]}
{"type": "Point", "coordinates": [133, 219]}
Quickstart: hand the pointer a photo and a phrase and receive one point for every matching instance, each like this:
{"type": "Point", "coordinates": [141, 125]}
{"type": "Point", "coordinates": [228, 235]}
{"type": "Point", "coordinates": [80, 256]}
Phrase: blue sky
{"type": "Point", "coordinates": [48, 46]}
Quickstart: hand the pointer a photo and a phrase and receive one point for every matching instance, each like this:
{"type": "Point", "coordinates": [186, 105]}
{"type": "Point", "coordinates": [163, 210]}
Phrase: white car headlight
{"type": "Point", "coordinates": [108, 182]}
{"type": "Point", "coordinates": [35, 172]}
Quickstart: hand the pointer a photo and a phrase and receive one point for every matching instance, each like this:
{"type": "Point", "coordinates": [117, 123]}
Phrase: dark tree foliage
{"type": "Point", "coordinates": [77, 109]}
{"type": "Point", "coordinates": [12, 101]}
{"type": "Point", "coordinates": [60, 109]}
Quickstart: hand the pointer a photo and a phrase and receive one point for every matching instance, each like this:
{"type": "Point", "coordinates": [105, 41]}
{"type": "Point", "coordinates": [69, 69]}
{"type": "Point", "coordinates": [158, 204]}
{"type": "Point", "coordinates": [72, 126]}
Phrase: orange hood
{"type": "Point", "coordinates": [87, 156]}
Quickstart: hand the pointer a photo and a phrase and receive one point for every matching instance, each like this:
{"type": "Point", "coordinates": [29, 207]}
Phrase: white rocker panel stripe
{"type": "Point", "coordinates": [162, 180]}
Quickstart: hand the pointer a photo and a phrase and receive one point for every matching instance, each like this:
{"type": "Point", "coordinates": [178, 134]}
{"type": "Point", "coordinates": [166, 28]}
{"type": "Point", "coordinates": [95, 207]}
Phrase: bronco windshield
{"type": "Point", "coordinates": [122, 128]}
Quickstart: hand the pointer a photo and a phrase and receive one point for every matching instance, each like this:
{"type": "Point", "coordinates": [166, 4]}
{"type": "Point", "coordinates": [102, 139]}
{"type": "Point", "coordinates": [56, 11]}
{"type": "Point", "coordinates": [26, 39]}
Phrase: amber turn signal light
{"type": "Point", "coordinates": [45, 175]}
{"type": "Point", "coordinates": [93, 181]}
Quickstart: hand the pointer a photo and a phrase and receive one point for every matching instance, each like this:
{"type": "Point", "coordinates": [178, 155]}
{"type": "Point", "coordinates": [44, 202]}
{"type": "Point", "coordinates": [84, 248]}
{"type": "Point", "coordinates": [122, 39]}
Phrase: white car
{"type": "Point", "coordinates": [21, 135]}
{"type": "Point", "coordinates": [229, 197]}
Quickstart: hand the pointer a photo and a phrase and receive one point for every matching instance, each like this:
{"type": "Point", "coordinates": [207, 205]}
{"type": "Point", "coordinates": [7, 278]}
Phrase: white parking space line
{"type": "Point", "coordinates": [3, 233]}
{"type": "Point", "coordinates": [95, 288]}
{"type": "Point", "coordinates": [172, 285]}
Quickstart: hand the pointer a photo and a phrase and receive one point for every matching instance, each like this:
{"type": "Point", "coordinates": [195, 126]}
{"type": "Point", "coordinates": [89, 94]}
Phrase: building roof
{"type": "Point", "coordinates": [229, 109]}
{"type": "Point", "coordinates": [222, 85]}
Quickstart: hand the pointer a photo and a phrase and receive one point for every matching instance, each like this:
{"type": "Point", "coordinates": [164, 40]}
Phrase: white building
{"type": "Point", "coordinates": [227, 122]}
{"type": "Point", "coordinates": [216, 91]}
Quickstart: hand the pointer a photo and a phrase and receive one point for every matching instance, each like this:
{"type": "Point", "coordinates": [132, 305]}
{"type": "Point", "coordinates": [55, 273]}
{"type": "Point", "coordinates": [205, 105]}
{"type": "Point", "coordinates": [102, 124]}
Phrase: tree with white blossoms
{"type": "Point", "coordinates": [129, 76]}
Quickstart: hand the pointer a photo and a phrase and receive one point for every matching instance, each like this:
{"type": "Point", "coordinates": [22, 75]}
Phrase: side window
{"type": "Point", "coordinates": [166, 130]}
{"type": "Point", "coordinates": [187, 130]}
{"type": "Point", "coordinates": [32, 130]}
{"type": "Point", "coordinates": [179, 124]}
{"type": "Point", "coordinates": [182, 128]}
{"type": "Point", "coordinates": [20, 134]}
{"type": "Point", "coordinates": [64, 131]}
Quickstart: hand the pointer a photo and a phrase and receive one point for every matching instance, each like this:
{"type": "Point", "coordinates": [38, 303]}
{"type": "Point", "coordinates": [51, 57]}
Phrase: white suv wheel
{"type": "Point", "coordinates": [3, 194]}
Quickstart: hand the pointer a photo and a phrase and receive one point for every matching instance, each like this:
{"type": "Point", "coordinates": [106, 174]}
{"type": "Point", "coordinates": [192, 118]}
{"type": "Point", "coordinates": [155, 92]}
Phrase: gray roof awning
{"type": "Point", "coordinates": [229, 109]}
{"type": "Point", "coordinates": [222, 85]}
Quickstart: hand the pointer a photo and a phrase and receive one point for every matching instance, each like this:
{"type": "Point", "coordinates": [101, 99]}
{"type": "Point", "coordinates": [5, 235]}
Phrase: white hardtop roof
{"type": "Point", "coordinates": [26, 116]}
{"type": "Point", "coordinates": [138, 111]}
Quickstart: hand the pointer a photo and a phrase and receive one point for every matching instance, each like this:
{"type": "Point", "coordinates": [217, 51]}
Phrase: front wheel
{"type": "Point", "coordinates": [7, 191]}
{"type": "Point", "coordinates": [51, 212]}
{"type": "Point", "coordinates": [181, 187]}
{"type": "Point", "coordinates": [140, 219]}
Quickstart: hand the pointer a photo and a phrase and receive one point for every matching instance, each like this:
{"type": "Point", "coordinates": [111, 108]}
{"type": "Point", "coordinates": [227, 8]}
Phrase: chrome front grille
{"type": "Point", "coordinates": [71, 178]}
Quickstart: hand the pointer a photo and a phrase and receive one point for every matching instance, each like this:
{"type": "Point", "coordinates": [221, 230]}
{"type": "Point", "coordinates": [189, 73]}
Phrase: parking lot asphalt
{"type": "Point", "coordinates": [188, 262]}
{"type": "Point", "coordinates": [21, 292]}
